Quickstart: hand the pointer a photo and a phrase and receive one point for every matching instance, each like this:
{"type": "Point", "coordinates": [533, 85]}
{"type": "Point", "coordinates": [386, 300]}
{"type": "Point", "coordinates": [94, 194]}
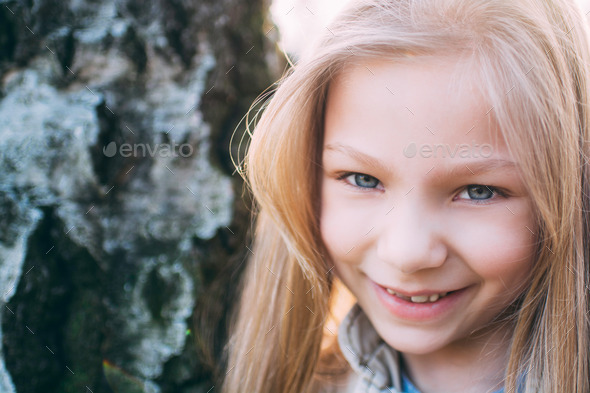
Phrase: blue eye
{"type": "Point", "coordinates": [478, 192]}
{"type": "Point", "coordinates": [362, 180]}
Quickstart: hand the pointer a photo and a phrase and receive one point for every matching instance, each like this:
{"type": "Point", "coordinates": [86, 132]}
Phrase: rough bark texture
{"type": "Point", "coordinates": [122, 228]}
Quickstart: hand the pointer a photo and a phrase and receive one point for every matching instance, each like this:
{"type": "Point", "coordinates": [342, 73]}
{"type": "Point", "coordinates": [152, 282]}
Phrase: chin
{"type": "Point", "coordinates": [414, 349]}
{"type": "Point", "coordinates": [417, 343]}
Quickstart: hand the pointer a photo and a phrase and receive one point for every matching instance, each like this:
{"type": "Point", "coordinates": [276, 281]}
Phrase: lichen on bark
{"type": "Point", "coordinates": [120, 217]}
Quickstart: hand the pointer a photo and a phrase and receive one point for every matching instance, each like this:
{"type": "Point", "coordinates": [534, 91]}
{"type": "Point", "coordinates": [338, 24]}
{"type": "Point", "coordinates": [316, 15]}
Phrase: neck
{"type": "Point", "coordinates": [474, 364]}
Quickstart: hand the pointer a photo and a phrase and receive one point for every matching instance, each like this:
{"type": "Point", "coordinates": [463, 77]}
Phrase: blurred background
{"type": "Point", "coordinates": [124, 227]}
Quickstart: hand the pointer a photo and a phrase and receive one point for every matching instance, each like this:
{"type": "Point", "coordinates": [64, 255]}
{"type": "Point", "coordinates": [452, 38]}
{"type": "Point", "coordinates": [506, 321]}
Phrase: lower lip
{"type": "Point", "coordinates": [419, 311]}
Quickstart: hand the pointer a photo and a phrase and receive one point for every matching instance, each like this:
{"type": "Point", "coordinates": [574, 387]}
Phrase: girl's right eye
{"type": "Point", "coordinates": [360, 180]}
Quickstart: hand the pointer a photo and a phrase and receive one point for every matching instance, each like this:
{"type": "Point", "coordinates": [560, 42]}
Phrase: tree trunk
{"type": "Point", "coordinates": [122, 228]}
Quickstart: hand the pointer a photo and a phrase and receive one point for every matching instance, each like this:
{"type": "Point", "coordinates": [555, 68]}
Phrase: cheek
{"type": "Point", "coordinates": [503, 249]}
{"type": "Point", "coordinates": [334, 229]}
{"type": "Point", "coordinates": [343, 223]}
{"type": "Point", "coordinates": [341, 242]}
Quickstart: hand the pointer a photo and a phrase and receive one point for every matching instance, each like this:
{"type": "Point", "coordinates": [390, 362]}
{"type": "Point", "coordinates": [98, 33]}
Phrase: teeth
{"type": "Point", "coordinates": [418, 299]}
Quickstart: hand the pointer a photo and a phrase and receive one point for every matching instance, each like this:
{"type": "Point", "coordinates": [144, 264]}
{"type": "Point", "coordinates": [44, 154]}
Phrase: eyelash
{"type": "Point", "coordinates": [495, 191]}
{"type": "Point", "coordinates": [344, 176]}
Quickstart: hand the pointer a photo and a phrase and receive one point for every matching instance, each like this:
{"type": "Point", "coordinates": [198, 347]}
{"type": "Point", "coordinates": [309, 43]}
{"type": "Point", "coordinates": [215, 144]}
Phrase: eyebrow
{"type": "Point", "coordinates": [357, 156]}
{"type": "Point", "coordinates": [482, 166]}
{"type": "Point", "coordinates": [463, 169]}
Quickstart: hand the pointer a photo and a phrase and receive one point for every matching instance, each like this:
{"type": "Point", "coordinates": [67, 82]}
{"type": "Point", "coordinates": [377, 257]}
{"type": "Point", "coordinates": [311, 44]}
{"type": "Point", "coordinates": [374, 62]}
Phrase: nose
{"type": "Point", "coordinates": [410, 238]}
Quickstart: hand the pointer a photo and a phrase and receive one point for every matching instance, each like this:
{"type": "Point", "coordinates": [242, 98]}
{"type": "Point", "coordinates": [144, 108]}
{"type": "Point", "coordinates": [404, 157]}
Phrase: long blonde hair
{"type": "Point", "coordinates": [532, 58]}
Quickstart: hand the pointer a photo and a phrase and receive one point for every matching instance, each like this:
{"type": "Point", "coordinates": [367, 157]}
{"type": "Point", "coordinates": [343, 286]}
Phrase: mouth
{"type": "Point", "coordinates": [430, 298]}
{"type": "Point", "coordinates": [423, 304]}
{"type": "Point", "coordinates": [425, 296]}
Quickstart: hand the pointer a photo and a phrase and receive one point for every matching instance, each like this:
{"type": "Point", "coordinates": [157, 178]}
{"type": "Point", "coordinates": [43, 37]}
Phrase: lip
{"type": "Point", "coordinates": [405, 309]}
{"type": "Point", "coordinates": [415, 293]}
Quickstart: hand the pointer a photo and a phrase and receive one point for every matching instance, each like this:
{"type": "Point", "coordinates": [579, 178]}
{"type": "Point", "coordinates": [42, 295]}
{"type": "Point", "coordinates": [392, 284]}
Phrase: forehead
{"type": "Point", "coordinates": [434, 103]}
{"type": "Point", "coordinates": [424, 93]}
{"type": "Point", "coordinates": [405, 79]}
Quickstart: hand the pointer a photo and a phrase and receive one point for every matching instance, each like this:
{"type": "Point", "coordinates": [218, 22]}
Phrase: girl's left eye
{"type": "Point", "coordinates": [479, 192]}
{"type": "Point", "coordinates": [361, 180]}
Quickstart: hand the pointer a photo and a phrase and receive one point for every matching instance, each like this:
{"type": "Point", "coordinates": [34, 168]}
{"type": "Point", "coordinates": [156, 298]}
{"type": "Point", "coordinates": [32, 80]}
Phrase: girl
{"type": "Point", "coordinates": [431, 157]}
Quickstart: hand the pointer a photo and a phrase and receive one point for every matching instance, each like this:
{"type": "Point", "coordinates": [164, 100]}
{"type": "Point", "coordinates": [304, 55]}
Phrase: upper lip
{"type": "Point", "coordinates": [423, 292]}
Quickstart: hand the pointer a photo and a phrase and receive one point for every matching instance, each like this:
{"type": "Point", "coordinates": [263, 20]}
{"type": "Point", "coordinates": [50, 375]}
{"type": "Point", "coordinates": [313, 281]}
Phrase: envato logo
{"type": "Point", "coordinates": [444, 150]}
{"type": "Point", "coordinates": [164, 150]}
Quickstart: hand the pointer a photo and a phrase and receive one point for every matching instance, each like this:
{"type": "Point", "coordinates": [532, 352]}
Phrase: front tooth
{"type": "Point", "coordinates": [419, 299]}
{"type": "Point", "coordinates": [433, 298]}
{"type": "Point", "coordinates": [390, 291]}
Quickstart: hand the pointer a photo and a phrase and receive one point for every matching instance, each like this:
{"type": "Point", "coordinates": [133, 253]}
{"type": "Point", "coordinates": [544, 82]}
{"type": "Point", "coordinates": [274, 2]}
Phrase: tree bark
{"type": "Point", "coordinates": [122, 228]}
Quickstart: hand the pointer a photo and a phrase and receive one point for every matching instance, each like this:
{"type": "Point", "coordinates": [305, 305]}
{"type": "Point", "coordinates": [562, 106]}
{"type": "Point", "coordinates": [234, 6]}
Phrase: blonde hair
{"type": "Point", "coordinates": [532, 58]}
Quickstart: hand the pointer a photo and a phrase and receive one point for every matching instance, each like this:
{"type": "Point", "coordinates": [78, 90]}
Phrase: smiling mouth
{"type": "Point", "coordinates": [419, 298]}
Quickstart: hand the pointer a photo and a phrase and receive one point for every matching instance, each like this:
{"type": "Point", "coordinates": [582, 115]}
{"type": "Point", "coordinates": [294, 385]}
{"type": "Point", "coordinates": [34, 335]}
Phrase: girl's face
{"type": "Point", "coordinates": [424, 214]}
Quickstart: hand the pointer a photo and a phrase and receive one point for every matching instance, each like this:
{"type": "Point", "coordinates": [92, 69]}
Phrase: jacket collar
{"type": "Point", "coordinates": [370, 357]}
